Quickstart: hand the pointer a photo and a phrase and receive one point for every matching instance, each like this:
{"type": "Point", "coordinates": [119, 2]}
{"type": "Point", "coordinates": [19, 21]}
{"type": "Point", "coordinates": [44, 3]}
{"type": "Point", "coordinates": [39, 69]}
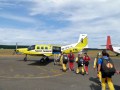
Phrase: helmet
{"type": "Point", "coordinates": [99, 54]}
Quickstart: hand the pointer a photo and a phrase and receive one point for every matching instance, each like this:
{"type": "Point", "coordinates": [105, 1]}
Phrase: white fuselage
{"type": "Point", "coordinates": [68, 46]}
{"type": "Point", "coordinates": [116, 49]}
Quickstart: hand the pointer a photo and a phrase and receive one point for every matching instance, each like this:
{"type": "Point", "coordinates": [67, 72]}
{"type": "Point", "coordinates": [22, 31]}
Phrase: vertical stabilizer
{"type": "Point", "coordinates": [108, 44]}
{"type": "Point", "coordinates": [81, 37]}
{"type": "Point", "coordinates": [83, 41]}
{"type": "Point", "coordinates": [76, 47]}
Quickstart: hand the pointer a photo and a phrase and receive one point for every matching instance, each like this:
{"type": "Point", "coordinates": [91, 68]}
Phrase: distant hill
{"type": "Point", "coordinates": [12, 46]}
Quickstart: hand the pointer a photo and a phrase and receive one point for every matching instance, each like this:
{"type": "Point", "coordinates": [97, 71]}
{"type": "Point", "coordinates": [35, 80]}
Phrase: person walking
{"type": "Point", "coordinates": [86, 58]}
{"type": "Point", "coordinates": [64, 61]}
{"type": "Point", "coordinates": [95, 66]}
{"type": "Point", "coordinates": [107, 69]}
{"type": "Point", "coordinates": [80, 62]}
{"type": "Point", "coordinates": [71, 57]}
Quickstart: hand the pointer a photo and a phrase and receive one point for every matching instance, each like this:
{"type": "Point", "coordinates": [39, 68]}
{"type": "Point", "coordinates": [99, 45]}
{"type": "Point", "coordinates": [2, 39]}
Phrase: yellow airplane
{"type": "Point", "coordinates": [47, 50]}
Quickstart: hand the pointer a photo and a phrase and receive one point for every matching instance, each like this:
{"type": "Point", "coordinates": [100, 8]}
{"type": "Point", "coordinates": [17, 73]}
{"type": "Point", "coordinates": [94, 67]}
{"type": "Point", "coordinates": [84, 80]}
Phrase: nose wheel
{"type": "Point", "coordinates": [117, 54]}
{"type": "Point", "coordinates": [25, 58]}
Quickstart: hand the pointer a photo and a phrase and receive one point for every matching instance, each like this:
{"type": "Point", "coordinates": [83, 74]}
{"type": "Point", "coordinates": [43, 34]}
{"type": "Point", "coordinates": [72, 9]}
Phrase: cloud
{"type": "Point", "coordinates": [97, 18]}
{"type": "Point", "coordinates": [5, 3]}
{"type": "Point", "coordinates": [17, 18]}
{"type": "Point", "coordinates": [29, 36]}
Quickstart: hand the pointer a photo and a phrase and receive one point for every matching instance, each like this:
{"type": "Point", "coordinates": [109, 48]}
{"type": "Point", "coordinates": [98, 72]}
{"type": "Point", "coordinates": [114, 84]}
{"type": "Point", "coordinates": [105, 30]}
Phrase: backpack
{"type": "Point", "coordinates": [80, 61]}
{"type": "Point", "coordinates": [65, 59]}
{"type": "Point", "coordinates": [108, 67]}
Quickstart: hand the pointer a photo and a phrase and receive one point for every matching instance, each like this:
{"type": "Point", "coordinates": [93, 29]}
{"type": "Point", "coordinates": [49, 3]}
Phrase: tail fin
{"type": "Point", "coordinates": [83, 41]}
{"type": "Point", "coordinates": [108, 44]}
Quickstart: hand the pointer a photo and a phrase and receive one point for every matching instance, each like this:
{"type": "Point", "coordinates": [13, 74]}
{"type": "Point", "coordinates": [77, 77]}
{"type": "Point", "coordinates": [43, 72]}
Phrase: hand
{"type": "Point", "coordinates": [93, 67]}
{"type": "Point", "coordinates": [97, 75]}
{"type": "Point", "coordinates": [118, 72]}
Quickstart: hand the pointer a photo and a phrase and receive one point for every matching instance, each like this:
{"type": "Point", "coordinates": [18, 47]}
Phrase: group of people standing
{"type": "Point", "coordinates": [81, 60]}
{"type": "Point", "coordinates": [102, 63]}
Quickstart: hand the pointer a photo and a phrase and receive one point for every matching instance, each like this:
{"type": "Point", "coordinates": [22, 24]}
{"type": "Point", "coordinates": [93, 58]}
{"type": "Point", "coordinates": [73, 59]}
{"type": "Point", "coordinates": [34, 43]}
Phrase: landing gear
{"type": "Point", "coordinates": [25, 59]}
{"type": "Point", "coordinates": [44, 59]}
{"type": "Point", "coordinates": [117, 54]}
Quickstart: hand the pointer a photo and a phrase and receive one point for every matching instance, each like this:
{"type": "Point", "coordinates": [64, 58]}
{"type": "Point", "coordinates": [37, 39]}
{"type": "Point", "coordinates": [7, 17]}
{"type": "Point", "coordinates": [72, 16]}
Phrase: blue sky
{"type": "Point", "coordinates": [59, 21]}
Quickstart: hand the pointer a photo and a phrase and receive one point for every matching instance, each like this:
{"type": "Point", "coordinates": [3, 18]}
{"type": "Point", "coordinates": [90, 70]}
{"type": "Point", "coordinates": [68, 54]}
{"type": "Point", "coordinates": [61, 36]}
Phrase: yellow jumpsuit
{"type": "Point", "coordinates": [110, 84]}
{"type": "Point", "coordinates": [79, 68]}
{"type": "Point", "coordinates": [95, 66]}
{"type": "Point", "coordinates": [64, 66]}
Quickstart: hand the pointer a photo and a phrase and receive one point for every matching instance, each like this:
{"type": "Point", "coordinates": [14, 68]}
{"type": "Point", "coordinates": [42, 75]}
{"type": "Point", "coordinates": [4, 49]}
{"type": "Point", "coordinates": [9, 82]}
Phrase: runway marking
{"type": "Point", "coordinates": [19, 76]}
{"type": "Point", "coordinates": [45, 72]}
{"type": "Point", "coordinates": [11, 69]}
{"type": "Point", "coordinates": [51, 73]}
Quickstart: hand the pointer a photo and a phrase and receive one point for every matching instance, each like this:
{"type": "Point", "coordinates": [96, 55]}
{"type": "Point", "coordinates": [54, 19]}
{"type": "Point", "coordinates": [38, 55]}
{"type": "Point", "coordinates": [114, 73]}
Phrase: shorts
{"type": "Point", "coordinates": [105, 75]}
{"type": "Point", "coordinates": [86, 63]}
{"type": "Point", "coordinates": [79, 65]}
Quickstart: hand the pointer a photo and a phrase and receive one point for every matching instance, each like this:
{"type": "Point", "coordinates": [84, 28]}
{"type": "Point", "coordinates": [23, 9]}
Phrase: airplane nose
{"type": "Point", "coordinates": [17, 50]}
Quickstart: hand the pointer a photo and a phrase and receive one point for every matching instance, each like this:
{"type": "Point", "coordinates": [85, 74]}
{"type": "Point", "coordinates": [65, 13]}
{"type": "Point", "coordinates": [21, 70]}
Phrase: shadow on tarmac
{"type": "Point", "coordinates": [117, 87]}
{"type": "Point", "coordinates": [98, 87]}
{"type": "Point", "coordinates": [94, 86]}
{"type": "Point", "coordinates": [39, 63]}
{"type": "Point", "coordinates": [28, 60]}
{"type": "Point", "coordinates": [95, 80]}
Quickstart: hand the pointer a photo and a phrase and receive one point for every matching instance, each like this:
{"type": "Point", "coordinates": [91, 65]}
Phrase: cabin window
{"type": "Point", "coordinates": [46, 47]}
{"type": "Point", "coordinates": [42, 47]}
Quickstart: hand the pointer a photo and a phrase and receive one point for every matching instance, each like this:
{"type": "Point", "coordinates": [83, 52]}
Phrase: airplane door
{"type": "Point", "coordinates": [56, 50]}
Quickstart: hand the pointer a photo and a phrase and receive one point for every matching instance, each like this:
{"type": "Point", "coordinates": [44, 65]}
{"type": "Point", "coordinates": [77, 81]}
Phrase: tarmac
{"type": "Point", "coordinates": [16, 74]}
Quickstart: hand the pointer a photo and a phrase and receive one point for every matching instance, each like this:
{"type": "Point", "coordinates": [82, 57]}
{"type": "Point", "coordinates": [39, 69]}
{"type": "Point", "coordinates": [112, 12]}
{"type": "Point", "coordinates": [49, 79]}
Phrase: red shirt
{"type": "Point", "coordinates": [71, 56]}
{"type": "Point", "coordinates": [86, 58]}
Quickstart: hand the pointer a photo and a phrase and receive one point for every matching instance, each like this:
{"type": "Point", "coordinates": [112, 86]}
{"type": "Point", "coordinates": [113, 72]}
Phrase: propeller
{"type": "Point", "coordinates": [15, 50]}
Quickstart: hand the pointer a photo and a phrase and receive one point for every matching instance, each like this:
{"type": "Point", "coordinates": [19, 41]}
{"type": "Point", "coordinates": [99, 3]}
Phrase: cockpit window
{"type": "Point", "coordinates": [31, 47]}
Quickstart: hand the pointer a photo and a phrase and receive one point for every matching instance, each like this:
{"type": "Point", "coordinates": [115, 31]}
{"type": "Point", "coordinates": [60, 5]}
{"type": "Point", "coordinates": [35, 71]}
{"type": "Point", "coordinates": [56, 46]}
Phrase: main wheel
{"type": "Point", "coordinates": [25, 59]}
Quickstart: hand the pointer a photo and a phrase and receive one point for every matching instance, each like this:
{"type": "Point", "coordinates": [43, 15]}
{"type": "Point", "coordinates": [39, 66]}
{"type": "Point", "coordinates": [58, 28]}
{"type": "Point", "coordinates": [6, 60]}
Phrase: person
{"type": "Point", "coordinates": [102, 67]}
{"type": "Point", "coordinates": [64, 61]}
{"type": "Point", "coordinates": [95, 66]}
{"type": "Point", "coordinates": [71, 61]}
{"type": "Point", "coordinates": [57, 58]}
{"type": "Point", "coordinates": [80, 62]}
{"type": "Point", "coordinates": [61, 58]}
{"type": "Point", "coordinates": [86, 58]}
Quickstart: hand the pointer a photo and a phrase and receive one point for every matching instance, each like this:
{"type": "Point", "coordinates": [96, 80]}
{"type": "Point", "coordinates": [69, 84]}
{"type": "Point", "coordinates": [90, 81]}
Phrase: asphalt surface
{"type": "Point", "coordinates": [15, 74]}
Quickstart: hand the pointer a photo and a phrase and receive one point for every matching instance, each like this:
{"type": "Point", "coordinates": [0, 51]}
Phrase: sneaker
{"type": "Point", "coordinates": [72, 70]}
{"type": "Point", "coordinates": [63, 70]}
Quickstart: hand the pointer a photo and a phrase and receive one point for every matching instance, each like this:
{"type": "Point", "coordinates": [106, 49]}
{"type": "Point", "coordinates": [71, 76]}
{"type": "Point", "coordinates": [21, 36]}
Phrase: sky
{"type": "Point", "coordinates": [59, 21]}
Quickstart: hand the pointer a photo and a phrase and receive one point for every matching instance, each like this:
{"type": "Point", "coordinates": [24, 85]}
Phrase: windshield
{"type": "Point", "coordinates": [31, 47]}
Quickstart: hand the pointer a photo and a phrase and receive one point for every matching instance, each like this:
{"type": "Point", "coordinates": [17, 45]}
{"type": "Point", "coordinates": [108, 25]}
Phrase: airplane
{"type": "Point", "coordinates": [47, 50]}
{"type": "Point", "coordinates": [111, 47]}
